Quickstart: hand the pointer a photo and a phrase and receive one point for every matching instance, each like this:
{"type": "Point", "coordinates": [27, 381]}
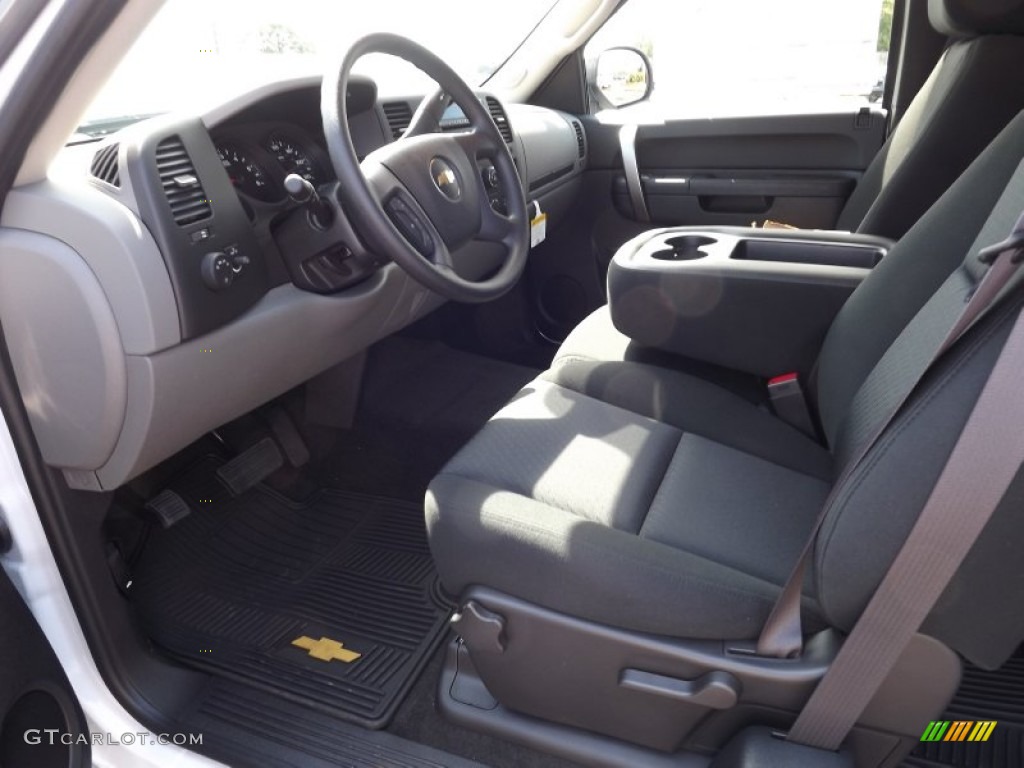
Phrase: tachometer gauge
{"type": "Point", "coordinates": [246, 174]}
{"type": "Point", "coordinates": [293, 157]}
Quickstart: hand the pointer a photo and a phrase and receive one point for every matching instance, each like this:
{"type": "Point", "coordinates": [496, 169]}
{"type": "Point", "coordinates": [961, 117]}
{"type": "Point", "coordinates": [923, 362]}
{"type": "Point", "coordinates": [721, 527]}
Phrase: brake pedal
{"type": "Point", "coordinates": [168, 507]}
{"type": "Point", "coordinates": [252, 467]}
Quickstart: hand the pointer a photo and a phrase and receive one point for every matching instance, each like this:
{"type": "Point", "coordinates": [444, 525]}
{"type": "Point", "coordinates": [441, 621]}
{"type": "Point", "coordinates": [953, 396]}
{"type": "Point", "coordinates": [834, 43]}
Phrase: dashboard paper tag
{"type": "Point", "coordinates": [538, 227]}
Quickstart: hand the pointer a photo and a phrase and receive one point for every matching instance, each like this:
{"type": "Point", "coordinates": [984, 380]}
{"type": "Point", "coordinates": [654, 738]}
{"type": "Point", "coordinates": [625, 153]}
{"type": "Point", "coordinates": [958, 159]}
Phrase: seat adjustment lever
{"type": "Point", "coordinates": [714, 690]}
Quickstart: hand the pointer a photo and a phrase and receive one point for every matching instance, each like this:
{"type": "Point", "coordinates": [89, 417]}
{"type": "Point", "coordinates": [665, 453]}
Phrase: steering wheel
{"type": "Point", "coordinates": [420, 199]}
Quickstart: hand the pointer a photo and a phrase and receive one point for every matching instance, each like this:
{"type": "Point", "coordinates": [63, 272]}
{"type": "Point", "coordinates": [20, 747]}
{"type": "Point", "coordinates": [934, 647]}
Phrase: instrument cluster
{"type": "Point", "coordinates": [257, 158]}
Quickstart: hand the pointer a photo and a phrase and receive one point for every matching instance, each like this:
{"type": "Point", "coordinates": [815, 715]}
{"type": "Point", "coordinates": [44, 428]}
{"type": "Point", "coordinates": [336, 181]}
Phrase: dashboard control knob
{"type": "Point", "coordinates": [217, 271]}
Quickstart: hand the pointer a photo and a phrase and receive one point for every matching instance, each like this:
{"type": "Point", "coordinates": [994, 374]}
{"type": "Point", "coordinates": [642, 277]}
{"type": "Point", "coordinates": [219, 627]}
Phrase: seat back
{"type": "Point", "coordinates": [869, 352]}
{"type": "Point", "coordinates": [975, 89]}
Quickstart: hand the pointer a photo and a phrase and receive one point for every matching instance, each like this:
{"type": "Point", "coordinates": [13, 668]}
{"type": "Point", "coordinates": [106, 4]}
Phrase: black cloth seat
{"type": "Point", "coordinates": [610, 489]}
{"type": "Point", "coordinates": [647, 499]}
{"type": "Point", "coordinates": [974, 90]}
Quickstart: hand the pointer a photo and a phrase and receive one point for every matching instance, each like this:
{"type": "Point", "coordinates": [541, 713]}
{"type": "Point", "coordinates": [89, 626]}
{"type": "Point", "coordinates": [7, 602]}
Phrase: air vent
{"type": "Point", "coordinates": [105, 165]}
{"type": "Point", "coordinates": [581, 141]}
{"type": "Point", "coordinates": [500, 118]}
{"type": "Point", "coordinates": [181, 184]}
{"type": "Point", "coordinates": [399, 115]}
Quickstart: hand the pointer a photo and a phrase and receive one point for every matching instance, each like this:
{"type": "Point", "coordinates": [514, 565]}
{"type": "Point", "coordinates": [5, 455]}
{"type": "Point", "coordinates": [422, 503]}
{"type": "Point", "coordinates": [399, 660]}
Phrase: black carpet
{"type": "Point", "coordinates": [241, 578]}
{"type": "Point", "coordinates": [997, 695]}
{"type": "Point", "coordinates": [230, 587]}
{"type": "Point", "coordinates": [248, 728]}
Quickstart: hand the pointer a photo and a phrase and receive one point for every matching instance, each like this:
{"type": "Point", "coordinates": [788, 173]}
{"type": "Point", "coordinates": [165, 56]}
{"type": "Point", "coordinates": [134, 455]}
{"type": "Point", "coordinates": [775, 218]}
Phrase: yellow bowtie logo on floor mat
{"type": "Point", "coordinates": [326, 649]}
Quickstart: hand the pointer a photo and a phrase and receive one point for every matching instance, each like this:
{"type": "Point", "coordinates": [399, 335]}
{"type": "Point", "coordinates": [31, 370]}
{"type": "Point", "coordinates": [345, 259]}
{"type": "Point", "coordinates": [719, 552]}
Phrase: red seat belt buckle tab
{"type": "Point", "coordinates": [788, 402]}
{"type": "Point", "coordinates": [782, 378]}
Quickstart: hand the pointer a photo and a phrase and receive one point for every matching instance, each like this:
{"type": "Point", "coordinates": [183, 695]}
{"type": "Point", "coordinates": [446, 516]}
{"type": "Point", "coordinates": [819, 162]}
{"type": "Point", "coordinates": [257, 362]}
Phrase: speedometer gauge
{"type": "Point", "coordinates": [246, 174]}
{"type": "Point", "coordinates": [293, 158]}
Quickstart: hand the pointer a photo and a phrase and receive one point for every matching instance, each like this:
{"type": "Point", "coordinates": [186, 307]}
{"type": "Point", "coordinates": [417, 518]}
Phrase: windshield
{"type": "Point", "coordinates": [196, 53]}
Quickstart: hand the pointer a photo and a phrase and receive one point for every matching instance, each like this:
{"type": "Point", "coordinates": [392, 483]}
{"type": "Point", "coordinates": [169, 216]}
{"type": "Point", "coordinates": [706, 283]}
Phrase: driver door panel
{"type": "Point", "coordinates": [794, 169]}
{"type": "Point", "coordinates": [38, 708]}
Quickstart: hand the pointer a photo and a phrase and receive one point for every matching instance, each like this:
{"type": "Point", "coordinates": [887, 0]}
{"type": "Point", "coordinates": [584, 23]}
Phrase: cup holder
{"type": "Point", "coordinates": [684, 248]}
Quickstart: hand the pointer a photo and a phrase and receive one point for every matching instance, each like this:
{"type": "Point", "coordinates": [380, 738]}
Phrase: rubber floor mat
{"type": "Point", "coordinates": [997, 695]}
{"type": "Point", "coordinates": [235, 584]}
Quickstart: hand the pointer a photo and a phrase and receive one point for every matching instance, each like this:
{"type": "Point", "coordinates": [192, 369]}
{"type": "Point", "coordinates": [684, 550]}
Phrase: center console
{"type": "Point", "coordinates": [753, 300]}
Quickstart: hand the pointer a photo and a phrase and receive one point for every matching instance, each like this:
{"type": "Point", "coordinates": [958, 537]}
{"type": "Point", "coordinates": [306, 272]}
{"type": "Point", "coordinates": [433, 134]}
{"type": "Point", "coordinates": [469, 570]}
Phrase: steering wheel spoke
{"type": "Point", "coordinates": [478, 144]}
{"type": "Point", "coordinates": [405, 214]}
{"type": "Point", "coordinates": [417, 228]}
{"type": "Point", "coordinates": [381, 181]}
{"type": "Point", "coordinates": [496, 227]}
{"type": "Point", "coordinates": [427, 118]}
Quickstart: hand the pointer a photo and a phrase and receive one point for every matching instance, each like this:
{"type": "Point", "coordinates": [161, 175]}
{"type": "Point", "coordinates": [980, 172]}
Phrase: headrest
{"type": "Point", "coordinates": [967, 18]}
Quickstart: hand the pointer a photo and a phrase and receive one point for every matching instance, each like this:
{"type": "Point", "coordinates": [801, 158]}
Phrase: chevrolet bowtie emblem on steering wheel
{"type": "Point", "coordinates": [445, 179]}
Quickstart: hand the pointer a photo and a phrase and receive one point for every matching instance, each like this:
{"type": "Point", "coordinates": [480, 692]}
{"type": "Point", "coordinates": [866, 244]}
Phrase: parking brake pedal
{"type": "Point", "coordinates": [168, 507]}
{"type": "Point", "coordinates": [252, 467]}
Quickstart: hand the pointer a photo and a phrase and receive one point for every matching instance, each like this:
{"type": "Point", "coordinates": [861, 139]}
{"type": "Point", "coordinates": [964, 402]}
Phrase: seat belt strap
{"type": "Point", "coordinates": [782, 634]}
{"type": "Point", "coordinates": [985, 460]}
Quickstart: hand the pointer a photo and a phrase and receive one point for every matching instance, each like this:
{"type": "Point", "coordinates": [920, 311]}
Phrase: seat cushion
{"type": "Point", "coordinates": [640, 498]}
{"type": "Point", "coordinates": [690, 404]}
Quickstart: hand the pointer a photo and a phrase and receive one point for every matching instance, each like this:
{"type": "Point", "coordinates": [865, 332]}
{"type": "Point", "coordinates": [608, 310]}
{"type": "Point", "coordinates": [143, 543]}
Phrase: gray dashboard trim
{"type": "Point", "coordinates": [548, 143]}
{"type": "Point", "coordinates": [65, 348]}
{"type": "Point", "coordinates": [116, 246]}
{"type": "Point", "coordinates": [287, 338]}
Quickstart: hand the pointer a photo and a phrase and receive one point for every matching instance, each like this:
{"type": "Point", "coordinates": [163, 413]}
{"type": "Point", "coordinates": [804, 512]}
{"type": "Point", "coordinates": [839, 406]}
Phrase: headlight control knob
{"type": "Point", "coordinates": [217, 272]}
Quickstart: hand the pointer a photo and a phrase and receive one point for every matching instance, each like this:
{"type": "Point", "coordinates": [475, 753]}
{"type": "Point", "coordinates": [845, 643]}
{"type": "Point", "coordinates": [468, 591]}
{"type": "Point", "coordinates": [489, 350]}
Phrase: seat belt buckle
{"type": "Point", "coordinates": [789, 404]}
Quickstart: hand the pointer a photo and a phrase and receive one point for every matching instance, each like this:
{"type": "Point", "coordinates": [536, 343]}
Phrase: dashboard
{"type": "Point", "coordinates": [177, 294]}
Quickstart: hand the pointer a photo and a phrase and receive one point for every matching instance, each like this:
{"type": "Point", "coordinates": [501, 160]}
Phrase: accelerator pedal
{"type": "Point", "coordinates": [252, 467]}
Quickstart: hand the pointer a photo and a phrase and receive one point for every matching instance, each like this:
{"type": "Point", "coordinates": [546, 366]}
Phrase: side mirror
{"type": "Point", "coordinates": [621, 76]}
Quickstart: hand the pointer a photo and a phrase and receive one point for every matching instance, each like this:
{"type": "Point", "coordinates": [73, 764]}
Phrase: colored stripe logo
{"type": "Point", "coordinates": [958, 730]}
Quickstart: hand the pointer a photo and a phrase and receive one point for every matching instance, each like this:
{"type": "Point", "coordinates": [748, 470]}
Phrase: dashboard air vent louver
{"type": "Point", "coordinates": [181, 184]}
{"type": "Point", "coordinates": [581, 141]}
{"type": "Point", "coordinates": [105, 165]}
{"type": "Point", "coordinates": [399, 115]}
{"type": "Point", "coordinates": [500, 118]}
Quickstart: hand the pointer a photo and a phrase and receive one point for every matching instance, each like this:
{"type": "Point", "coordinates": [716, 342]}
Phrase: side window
{"type": "Point", "coordinates": [715, 58]}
